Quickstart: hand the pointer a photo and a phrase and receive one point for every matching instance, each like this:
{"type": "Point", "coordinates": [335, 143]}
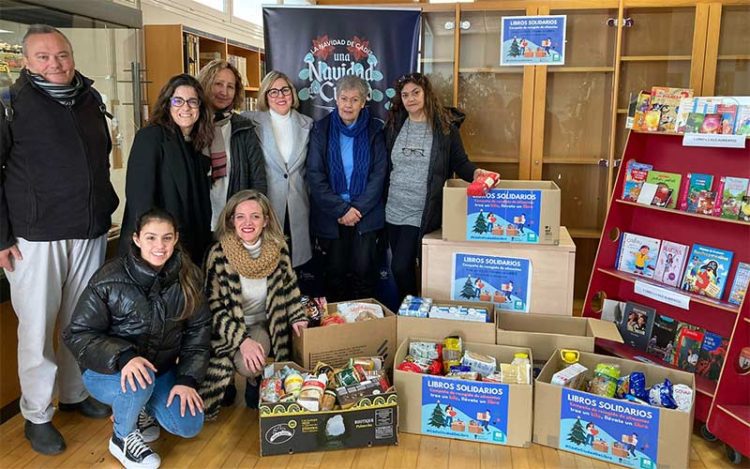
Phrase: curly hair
{"type": "Point", "coordinates": [203, 132]}
{"type": "Point", "coordinates": [433, 110]}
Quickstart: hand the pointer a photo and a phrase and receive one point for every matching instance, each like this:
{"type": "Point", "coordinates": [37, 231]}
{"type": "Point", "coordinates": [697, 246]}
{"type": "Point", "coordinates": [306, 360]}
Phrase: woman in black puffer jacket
{"type": "Point", "coordinates": [141, 333]}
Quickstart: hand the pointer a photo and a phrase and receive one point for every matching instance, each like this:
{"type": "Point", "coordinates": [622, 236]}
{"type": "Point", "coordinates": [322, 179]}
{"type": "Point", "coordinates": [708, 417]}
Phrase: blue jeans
{"type": "Point", "coordinates": [127, 405]}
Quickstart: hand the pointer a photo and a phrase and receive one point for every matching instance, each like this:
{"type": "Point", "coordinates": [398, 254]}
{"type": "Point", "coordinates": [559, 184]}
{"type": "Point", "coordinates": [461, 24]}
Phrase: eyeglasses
{"type": "Point", "coordinates": [176, 101]}
{"type": "Point", "coordinates": [409, 152]}
{"type": "Point", "coordinates": [276, 92]}
{"type": "Point", "coordinates": [415, 77]}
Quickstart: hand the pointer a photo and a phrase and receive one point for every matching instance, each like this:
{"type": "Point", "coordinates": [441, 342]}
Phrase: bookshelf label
{"type": "Point", "coordinates": [663, 295]}
{"type": "Point", "coordinates": [714, 140]}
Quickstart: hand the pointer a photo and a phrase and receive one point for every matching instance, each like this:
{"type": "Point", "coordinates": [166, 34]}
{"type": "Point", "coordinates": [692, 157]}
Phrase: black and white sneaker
{"type": "Point", "coordinates": [148, 427]}
{"type": "Point", "coordinates": [133, 452]}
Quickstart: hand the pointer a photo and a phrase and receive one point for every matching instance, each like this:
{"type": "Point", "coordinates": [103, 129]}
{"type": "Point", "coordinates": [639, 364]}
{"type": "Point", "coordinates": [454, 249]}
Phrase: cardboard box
{"type": "Point", "coordinates": [519, 212]}
{"type": "Point", "coordinates": [336, 344]}
{"type": "Point", "coordinates": [427, 404]}
{"type": "Point", "coordinates": [287, 428]}
{"type": "Point", "coordinates": [470, 331]}
{"type": "Point", "coordinates": [545, 333]}
{"type": "Point", "coordinates": [502, 269]}
{"type": "Point", "coordinates": [613, 430]}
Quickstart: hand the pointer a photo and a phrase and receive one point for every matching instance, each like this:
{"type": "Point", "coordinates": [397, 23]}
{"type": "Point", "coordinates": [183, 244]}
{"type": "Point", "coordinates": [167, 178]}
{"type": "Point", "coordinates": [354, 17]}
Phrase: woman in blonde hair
{"type": "Point", "coordinates": [236, 157]}
{"type": "Point", "coordinates": [253, 297]}
{"type": "Point", "coordinates": [284, 134]}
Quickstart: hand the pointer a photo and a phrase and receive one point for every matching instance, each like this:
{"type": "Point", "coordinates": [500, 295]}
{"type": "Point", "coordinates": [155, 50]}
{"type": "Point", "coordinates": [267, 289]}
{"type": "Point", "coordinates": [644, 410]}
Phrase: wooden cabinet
{"type": "Point", "coordinates": [172, 49]}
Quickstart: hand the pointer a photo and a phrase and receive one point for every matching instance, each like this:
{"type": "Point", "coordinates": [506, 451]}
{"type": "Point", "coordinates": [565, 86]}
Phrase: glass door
{"type": "Point", "coordinates": [438, 51]}
{"type": "Point", "coordinates": [729, 73]}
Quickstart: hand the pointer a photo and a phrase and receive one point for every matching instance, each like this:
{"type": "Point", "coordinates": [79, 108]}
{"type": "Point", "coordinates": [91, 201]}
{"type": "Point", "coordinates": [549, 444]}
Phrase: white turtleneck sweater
{"type": "Point", "coordinates": [283, 133]}
{"type": "Point", "coordinates": [254, 291]}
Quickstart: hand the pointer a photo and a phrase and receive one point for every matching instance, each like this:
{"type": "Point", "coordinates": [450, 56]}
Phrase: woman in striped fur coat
{"type": "Point", "coordinates": [253, 296]}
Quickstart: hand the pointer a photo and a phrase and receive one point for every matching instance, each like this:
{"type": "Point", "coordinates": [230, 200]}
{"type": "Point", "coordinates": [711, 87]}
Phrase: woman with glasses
{"type": "Point", "coordinates": [167, 169]}
{"type": "Point", "coordinates": [346, 168]}
{"type": "Point", "coordinates": [236, 158]}
{"type": "Point", "coordinates": [425, 149]}
{"type": "Point", "coordinates": [283, 134]}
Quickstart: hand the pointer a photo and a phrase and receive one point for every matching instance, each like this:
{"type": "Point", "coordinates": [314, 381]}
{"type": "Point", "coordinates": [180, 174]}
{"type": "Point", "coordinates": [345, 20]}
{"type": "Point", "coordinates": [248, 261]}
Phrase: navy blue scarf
{"type": "Point", "coordinates": [359, 132]}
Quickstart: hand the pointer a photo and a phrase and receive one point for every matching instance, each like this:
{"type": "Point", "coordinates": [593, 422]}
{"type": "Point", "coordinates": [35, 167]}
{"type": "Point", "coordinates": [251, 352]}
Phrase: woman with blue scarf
{"type": "Point", "coordinates": [346, 170]}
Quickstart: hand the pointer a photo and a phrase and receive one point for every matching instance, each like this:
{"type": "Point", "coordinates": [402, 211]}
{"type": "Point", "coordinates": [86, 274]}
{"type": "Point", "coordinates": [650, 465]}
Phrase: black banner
{"type": "Point", "coordinates": [315, 46]}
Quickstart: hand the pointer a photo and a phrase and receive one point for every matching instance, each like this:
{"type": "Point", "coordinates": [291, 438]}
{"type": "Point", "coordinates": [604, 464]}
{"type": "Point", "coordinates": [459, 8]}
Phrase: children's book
{"type": "Point", "coordinates": [706, 200]}
{"type": "Point", "coordinates": [637, 322]}
{"type": "Point", "coordinates": [739, 284]}
{"type": "Point", "coordinates": [647, 193]}
{"type": "Point", "coordinates": [707, 270]}
{"type": "Point", "coordinates": [711, 124]}
{"type": "Point", "coordinates": [745, 209]}
{"type": "Point", "coordinates": [638, 254]}
{"type": "Point", "coordinates": [728, 114]}
{"type": "Point", "coordinates": [635, 176]}
{"type": "Point", "coordinates": [694, 123]}
{"type": "Point", "coordinates": [668, 186]}
{"type": "Point", "coordinates": [735, 189]}
{"type": "Point", "coordinates": [642, 104]}
{"type": "Point", "coordinates": [687, 106]}
{"type": "Point", "coordinates": [742, 124]}
{"type": "Point", "coordinates": [719, 197]}
{"type": "Point", "coordinates": [670, 263]}
{"type": "Point", "coordinates": [696, 182]}
{"type": "Point", "coordinates": [667, 101]}
{"type": "Point", "coordinates": [687, 346]}
{"type": "Point", "coordinates": [663, 333]}
{"type": "Point", "coordinates": [711, 357]}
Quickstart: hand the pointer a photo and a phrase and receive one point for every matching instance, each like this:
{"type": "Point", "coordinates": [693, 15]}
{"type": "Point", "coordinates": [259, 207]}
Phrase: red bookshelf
{"type": "Point", "coordinates": [723, 405]}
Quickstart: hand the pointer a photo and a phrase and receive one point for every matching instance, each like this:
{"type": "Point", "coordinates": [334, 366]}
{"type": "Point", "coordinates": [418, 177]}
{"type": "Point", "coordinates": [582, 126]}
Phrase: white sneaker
{"type": "Point", "coordinates": [148, 427]}
{"type": "Point", "coordinates": [133, 452]}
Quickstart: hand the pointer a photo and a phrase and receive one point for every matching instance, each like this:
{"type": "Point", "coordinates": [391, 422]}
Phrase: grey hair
{"type": "Point", "coordinates": [42, 29]}
{"type": "Point", "coordinates": [353, 82]}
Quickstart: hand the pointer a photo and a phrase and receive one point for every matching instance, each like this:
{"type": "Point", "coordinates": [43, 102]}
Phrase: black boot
{"type": "Point", "coordinates": [44, 438]}
{"type": "Point", "coordinates": [229, 394]}
{"type": "Point", "coordinates": [88, 407]}
{"type": "Point", "coordinates": [252, 394]}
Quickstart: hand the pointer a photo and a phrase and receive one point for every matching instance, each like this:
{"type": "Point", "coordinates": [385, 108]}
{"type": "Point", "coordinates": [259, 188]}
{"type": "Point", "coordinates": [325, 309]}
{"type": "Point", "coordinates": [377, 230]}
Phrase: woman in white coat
{"type": "Point", "coordinates": [284, 133]}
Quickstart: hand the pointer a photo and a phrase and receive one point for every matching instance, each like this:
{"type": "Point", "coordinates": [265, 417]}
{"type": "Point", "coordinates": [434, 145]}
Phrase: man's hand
{"type": "Point", "coordinates": [350, 218]}
{"type": "Point", "coordinates": [8, 256]}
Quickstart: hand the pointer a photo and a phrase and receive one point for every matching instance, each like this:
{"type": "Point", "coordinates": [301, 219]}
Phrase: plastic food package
{"type": "Point", "coordinates": [521, 360]}
{"type": "Point", "coordinates": [604, 382]}
{"type": "Point", "coordinates": [409, 365]}
{"type": "Point", "coordinates": [312, 311]}
{"type": "Point", "coordinates": [452, 351]}
{"type": "Point", "coordinates": [459, 313]}
{"type": "Point", "coordinates": [465, 375]}
{"type": "Point", "coordinates": [415, 306]}
{"type": "Point", "coordinates": [271, 390]}
{"type": "Point", "coordinates": [425, 350]}
{"type": "Point", "coordinates": [331, 319]}
{"type": "Point", "coordinates": [660, 395]}
{"type": "Point", "coordinates": [355, 312]}
{"type": "Point", "coordinates": [683, 396]}
{"type": "Point", "coordinates": [570, 377]}
{"type": "Point", "coordinates": [482, 364]}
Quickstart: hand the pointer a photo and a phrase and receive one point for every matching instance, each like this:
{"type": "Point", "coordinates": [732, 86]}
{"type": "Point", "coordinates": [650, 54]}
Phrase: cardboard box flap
{"type": "Point", "coordinates": [510, 184]}
{"type": "Point", "coordinates": [604, 330]}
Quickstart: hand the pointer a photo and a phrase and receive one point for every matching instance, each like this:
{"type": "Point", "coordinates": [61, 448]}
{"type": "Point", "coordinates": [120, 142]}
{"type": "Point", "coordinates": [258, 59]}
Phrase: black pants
{"type": "Point", "coordinates": [350, 264]}
{"type": "Point", "coordinates": [404, 241]}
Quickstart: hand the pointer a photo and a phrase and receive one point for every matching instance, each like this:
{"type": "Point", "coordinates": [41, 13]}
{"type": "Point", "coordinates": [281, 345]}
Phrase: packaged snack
{"type": "Point", "coordinates": [380, 377]}
{"type": "Point", "coordinates": [452, 350]}
{"type": "Point", "coordinates": [293, 383]}
{"type": "Point", "coordinates": [623, 387]}
{"type": "Point", "coordinates": [637, 386]}
{"type": "Point", "coordinates": [604, 382]}
{"type": "Point", "coordinates": [322, 368]}
{"type": "Point", "coordinates": [332, 319]}
{"type": "Point", "coordinates": [313, 313]}
{"type": "Point", "coordinates": [329, 400]}
{"type": "Point", "coordinates": [347, 396]}
{"type": "Point", "coordinates": [482, 364]}
{"type": "Point", "coordinates": [425, 350]}
{"type": "Point", "coordinates": [312, 392]}
{"type": "Point", "coordinates": [355, 312]}
{"type": "Point", "coordinates": [271, 389]}
{"type": "Point", "coordinates": [660, 395]}
{"type": "Point", "coordinates": [683, 396]}
{"type": "Point", "coordinates": [460, 313]}
{"type": "Point", "coordinates": [415, 306]}
{"type": "Point", "coordinates": [570, 377]}
{"type": "Point", "coordinates": [367, 363]}
{"type": "Point", "coordinates": [496, 377]}
{"type": "Point", "coordinates": [409, 365]}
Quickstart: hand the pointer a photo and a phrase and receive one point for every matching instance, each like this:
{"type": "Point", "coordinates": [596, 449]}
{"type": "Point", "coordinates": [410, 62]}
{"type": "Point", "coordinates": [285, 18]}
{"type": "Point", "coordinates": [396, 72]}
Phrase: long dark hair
{"type": "Point", "coordinates": [191, 280]}
{"type": "Point", "coordinates": [203, 132]}
{"type": "Point", "coordinates": [435, 112]}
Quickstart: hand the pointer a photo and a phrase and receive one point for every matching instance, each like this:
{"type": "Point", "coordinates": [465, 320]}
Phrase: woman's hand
{"type": "Point", "coordinates": [351, 217]}
{"type": "Point", "coordinates": [188, 397]}
{"type": "Point", "coordinates": [480, 173]}
{"type": "Point", "coordinates": [298, 326]}
{"type": "Point", "coordinates": [253, 355]}
{"type": "Point", "coordinates": [136, 370]}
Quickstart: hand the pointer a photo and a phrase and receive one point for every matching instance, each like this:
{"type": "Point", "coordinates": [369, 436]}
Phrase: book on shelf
{"type": "Point", "coordinates": [637, 110]}
{"type": "Point", "coordinates": [711, 357]}
{"type": "Point", "coordinates": [647, 193]}
{"type": "Point", "coordinates": [694, 123]}
{"type": "Point", "coordinates": [662, 337]}
{"type": "Point", "coordinates": [637, 254]}
{"type": "Point", "coordinates": [739, 284]}
{"type": "Point", "coordinates": [728, 113]}
{"type": "Point", "coordinates": [735, 190]}
{"type": "Point", "coordinates": [670, 263]}
{"type": "Point", "coordinates": [636, 324]}
{"type": "Point", "coordinates": [667, 100]}
{"type": "Point", "coordinates": [707, 270]}
{"type": "Point", "coordinates": [635, 176]}
{"type": "Point", "coordinates": [742, 125]}
{"type": "Point", "coordinates": [694, 184]}
{"type": "Point", "coordinates": [668, 186]}
{"type": "Point", "coordinates": [706, 202]}
{"type": "Point", "coordinates": [745, 209]}
{"type": "Point", "coordinates": [687, 346]}
{"type": "Point", "coordinates": [697, 106]}
{"type": "Point", "coordinates": [711, 124]}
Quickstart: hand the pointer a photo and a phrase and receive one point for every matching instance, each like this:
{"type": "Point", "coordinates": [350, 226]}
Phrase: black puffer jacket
{"type": "Point", "coordinates": [129, 310]}
{"type": "Point", "coordinates": [247, 168]}
{"type": "Point", "coordinates": [446, 157]}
